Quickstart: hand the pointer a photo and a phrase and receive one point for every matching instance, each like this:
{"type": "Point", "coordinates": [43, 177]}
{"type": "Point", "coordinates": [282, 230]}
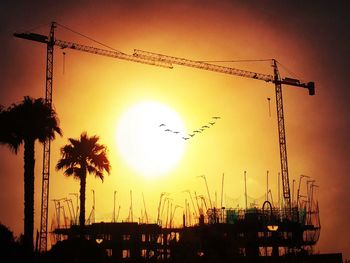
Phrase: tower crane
{"type": "Point", "coordinates": [275, 79]}
{"type": "Point", "coordinates": [155, 59]}
{"type": "Point", "coordinates": [50, 41]}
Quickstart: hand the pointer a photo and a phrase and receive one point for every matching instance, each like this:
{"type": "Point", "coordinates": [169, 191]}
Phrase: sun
{"type": "Point", "coordinates": [150, 138]}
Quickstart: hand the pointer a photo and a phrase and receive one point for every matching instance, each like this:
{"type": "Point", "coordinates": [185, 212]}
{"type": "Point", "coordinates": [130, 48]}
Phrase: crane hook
{"type": "Point", "coordinates": [64, 61]}
{"type": "Point", "coordinates": [269, 99]}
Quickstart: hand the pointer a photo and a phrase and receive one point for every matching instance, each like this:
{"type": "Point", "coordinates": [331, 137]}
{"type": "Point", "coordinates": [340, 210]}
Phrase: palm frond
{"type": "Point", "coordinates": [84, 152]}
{"type": "Point", "coordinates": [96, 171]}
{"type": "Point", "coordinates": [31, 119]}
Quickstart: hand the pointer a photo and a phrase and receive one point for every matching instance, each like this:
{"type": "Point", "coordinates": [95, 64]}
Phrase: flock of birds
{"type": "Point", "coordinates": [197, 131]}
{"type": "Point", "coordinates": [201, 129]}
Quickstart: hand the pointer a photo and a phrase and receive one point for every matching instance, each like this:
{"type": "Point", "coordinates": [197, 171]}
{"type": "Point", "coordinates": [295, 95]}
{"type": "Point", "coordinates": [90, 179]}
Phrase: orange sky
{"type": "Point", "coordinates": [310, 40]}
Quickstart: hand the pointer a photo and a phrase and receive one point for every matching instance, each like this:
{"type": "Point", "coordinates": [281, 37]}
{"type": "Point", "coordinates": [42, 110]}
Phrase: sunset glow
{"type": "Point", "coordinates": [142, 112]}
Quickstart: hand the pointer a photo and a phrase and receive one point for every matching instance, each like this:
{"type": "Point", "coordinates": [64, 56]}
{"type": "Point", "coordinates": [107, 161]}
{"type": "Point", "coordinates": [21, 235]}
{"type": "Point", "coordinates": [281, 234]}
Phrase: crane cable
{"type": "Point", "coordinates": [98, 42]}
{"type": "Point", "coordinates": [36, 27]}
{"type": "Point", "coordinates": [205, 61]}
{"type": "Point", "coordinates": [252, 60]}
{"type": "Point", "coordinates": [288, 70]}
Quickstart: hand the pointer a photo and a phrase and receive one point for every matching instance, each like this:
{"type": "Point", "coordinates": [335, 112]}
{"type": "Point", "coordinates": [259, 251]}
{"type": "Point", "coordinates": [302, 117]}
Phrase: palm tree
{"type": "Point", "coordinates": [80, 157]}
{"type": "Point", "coordinates": [24, 123]}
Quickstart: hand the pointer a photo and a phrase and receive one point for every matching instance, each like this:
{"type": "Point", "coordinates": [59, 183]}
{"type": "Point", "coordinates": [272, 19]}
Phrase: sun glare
{"type": "Point", "coordinates": [149, 138]}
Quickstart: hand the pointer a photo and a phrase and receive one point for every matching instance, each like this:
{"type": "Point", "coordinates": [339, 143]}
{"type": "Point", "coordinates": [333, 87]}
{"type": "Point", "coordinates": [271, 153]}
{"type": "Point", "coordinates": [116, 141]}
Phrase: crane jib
{"type": "Point", "coordinates": [166, 61]}
{"type": "Point", "coordinates": [222, 69]}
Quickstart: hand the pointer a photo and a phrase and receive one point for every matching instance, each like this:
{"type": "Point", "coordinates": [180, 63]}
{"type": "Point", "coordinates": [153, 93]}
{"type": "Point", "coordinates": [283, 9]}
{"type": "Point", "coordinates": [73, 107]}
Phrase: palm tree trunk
{"type": "Point", "coordinates": [29, 162]}
{"type": "Point", "coordinates": [82, 199]}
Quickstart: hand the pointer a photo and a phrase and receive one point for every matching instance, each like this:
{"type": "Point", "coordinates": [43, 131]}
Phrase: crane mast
{"type": "Point", "coordinates": [282, 137]}
{"type": "Point", "coordinates": [47, 146]}
{"type": "Point", "coordinates": [276, 79]}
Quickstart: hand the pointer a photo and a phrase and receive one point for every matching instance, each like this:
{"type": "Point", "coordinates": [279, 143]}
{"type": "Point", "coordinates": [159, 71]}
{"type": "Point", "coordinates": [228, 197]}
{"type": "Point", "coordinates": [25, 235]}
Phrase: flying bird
{"type": "Point", "coordinates": [196, 131]}
{"type": "Point", "coordinates": [202, 129]}
{"type": "Point", "coordinates": [211, 123]}
{"type": "Point", "coordinates": [191, 135]}
{"type": "Point", "coordinates": [176, 132]}
{"type": "Point", "coordinates": [216, 117]}
{"type": "Point", "coordinates": [185, 138]}
{"type": "Point", "coordinates": [205, 126]}
{"type": "Point", "coordinates": [161, 125]}
{"type": "Point", "coordinates": [167, 130]}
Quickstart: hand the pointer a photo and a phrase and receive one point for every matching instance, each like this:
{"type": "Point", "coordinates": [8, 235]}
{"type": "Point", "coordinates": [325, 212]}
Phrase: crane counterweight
{"type": "Point", "coordinates": [33, 37]}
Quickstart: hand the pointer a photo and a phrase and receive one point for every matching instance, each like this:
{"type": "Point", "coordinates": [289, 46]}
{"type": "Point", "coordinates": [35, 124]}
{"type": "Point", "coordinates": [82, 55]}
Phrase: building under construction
{"type": "Point", "coordinates": [265, 234]}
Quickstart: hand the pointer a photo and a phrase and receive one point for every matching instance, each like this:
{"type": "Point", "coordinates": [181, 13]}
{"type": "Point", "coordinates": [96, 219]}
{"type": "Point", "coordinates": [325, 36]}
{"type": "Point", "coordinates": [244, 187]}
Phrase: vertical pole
{"type": "Point", "coordinates": [70, 209]}
{"type": "Point", "coordinates": [298, 193]}
{"type": "Point", "coordinates": [93, 206]}
{"type": "Point", "coordinates": [114, 207]}
{"type": "Point", "coordinates": [167, 214]}
{"type": "Point", "coordinates": [222, 194]}
{"type": "Point", "coordinates": [159, 205]}
{"type": "Point", "coordinates": [131, 208]}
{"type": "Point", "coordinates": [194, 208]}
{"type": "Point", "coordinates": [183, 219]}
{"type": "Point", "coordinates": [245, 190]}
{"type": "Point", "coordinates": [267, 185]}
{"type": "Point", "coordinates": [195, 196]}
{"type": "Point", "coordinates": [76, 208]}
{"type": "Point", "coordinates": [144, 205]}
{"type": "Point", "coordinates": [293, 191]}
{"type": "Point", "coordinates": [312, 194]}
{"type": "Point", "coordinates": [279, 191]}
{"type": "Point", "coordinates": [118, 214]}
{"type": "Point", "coordinates": [206, 184]}
{"type": "Point", "coordinates": [47, 145]}
{"type": "Point", "coordinates": [171, 213]}
{"type": "Point", "coordinates": [37, 240]}
{"type": "Point", "coordinates": [186, 213]}
{"type": "Point", "coordinates": [309, 198]}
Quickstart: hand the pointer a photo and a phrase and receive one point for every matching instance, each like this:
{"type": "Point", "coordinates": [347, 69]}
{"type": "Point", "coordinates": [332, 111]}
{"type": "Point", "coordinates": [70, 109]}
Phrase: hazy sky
{"type": "Point", "coordinates": [309, 38]}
